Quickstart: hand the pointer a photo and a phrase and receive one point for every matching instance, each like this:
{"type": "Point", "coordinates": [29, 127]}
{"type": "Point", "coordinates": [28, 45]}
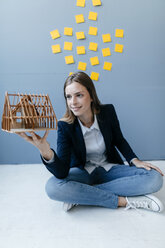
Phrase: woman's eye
{"type": "Point", "coordinates": [79, 95]}
{"type": "Point", "coordinates": [68, 97]}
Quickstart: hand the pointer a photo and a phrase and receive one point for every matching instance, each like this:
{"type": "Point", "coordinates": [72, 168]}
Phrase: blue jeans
{"type": "Point", "coordinates": [102, 188]}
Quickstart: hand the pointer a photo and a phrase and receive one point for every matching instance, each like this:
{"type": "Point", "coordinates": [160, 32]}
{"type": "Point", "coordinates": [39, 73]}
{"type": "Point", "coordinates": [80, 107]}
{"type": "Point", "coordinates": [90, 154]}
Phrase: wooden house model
{"type": "Point", "coordinates": [27, 112]}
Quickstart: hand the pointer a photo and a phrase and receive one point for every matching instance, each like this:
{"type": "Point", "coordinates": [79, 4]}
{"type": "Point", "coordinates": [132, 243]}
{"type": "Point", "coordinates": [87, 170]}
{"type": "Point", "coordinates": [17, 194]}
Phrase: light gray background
{"type": "Point", "coordinates": [135, 85]}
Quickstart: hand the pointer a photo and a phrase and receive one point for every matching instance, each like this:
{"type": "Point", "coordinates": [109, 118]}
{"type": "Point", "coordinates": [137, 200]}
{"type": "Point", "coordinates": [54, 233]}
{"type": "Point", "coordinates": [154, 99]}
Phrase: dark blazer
{"type": "Point", "coordinates": [71, 151]}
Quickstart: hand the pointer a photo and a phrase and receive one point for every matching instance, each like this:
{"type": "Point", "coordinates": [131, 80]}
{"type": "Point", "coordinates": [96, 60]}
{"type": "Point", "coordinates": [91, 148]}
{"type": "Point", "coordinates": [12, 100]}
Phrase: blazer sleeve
{"type": "Point", "coordinates": [119, 140]}
{"type": "Point", "coordinates": [61, 163]}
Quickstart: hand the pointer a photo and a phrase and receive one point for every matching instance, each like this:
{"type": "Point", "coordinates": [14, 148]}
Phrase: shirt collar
{"type": "Point", "coordinates": [86, 129]}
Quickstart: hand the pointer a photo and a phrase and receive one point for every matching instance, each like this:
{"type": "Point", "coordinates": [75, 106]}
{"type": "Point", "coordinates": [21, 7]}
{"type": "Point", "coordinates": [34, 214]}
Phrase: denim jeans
{"type": "Point", "coordinates": [102, 188]}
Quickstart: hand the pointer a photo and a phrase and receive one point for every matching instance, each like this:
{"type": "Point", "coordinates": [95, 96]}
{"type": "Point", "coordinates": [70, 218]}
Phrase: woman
{"type": "Point", "coordinates": [87, 167]}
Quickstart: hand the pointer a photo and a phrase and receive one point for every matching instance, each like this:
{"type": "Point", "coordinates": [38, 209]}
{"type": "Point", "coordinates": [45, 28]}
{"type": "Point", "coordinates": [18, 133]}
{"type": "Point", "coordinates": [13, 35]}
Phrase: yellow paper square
{"type": "Point", "coordinates": [119, 33]}
{"type": "Point", "coordinates": [106, 52]}
{"type": "Point", "coordinates": [80, 35]}
{"type": "Point", "coordinates": [80, 3]}
{"type": "Point", "coordinates": [79, 18]}
{"type": "Point", "coordinates": [94, 61]}
{"type": "Point", "coordinates": [56, 48]}
{"type": "Point", "coordinates": [68, 31]}
{"type": "Point", "coordinates": [92, 31]}
{"type": "Point", "coordinates": [80, 49]}
{"type": "Point", "coordinates": [68, 46]}
{"type": "Point", "coordinates": [93, 46]}
{"type": "Point", "coordinates": [106, 38]}
{"type": "Point", "coordinates": [107, 66]}
{"type": "Point", "coordinates": [82, 66]}
{"type": "Point", "coordinates": [94, 76]}
{"type": "Point", "coordinates": [96, 2]}
{"type": "Point", "coordinates": [55, 34]}
{"type": "Point", "coordinates": [69, 59]}
{"type": "Point", "coordinates": [119, 48]}
{"type": "Point", "coordinates": [92, 16]}
{"type": "Point", "coordinates": [70, 73]}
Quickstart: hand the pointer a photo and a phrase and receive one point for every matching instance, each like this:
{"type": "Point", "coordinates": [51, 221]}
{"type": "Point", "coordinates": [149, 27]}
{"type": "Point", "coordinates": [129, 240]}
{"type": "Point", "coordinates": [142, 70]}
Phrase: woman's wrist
{"type": "Point", "coordinates": [47, 154]}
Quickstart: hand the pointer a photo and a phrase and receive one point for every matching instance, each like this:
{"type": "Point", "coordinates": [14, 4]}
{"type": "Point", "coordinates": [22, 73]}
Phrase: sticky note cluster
{"type": "Point", "coordinates": [93, 47]}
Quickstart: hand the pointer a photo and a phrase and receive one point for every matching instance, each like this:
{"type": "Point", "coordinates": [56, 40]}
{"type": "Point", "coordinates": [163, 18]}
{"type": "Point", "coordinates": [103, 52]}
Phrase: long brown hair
{"type": "Point", "coordinates": [83, 79]}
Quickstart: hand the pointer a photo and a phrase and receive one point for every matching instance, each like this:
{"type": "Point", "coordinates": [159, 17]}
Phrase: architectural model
{"type": "Point", "coordinates": [28, 112]}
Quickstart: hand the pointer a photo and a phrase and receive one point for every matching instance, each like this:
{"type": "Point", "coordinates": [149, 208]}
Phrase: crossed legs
{"type": "Point", "coordinates": [101, 188]}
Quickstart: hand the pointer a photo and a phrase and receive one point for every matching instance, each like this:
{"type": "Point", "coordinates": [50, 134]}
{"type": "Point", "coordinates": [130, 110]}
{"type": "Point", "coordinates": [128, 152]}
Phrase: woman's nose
{"type": "Point", "coordinates": [74, 101]}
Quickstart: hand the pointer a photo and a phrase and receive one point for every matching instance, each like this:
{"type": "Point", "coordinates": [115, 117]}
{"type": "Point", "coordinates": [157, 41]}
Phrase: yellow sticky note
{"type": "Point", "coordinates": [68, 31]}
{"type": "Point", "coordinates": [69, 59]}
{"type": "Point", "coordinates": [94, 61]}
{"type": "Point", "coordinates": [107, 66]}
{"type": "Point", "coordinates": [92, 31]}
{"type": "Point", "coordinates": [80, 35]}
{"type": "Point", "coordinates": [79, 18]}
{"type": "Point", "coordinates": [119, 48]}
{"type": "Point", "coordinates": [92, 16]}
{"type": "Point", "coordinates": [94, 76]}
{"type": "Point", "coordinates": [119, 33]}
{"type": "Point", "coordinates": [106, 52]}
{"type": "Point", "coordinates": [68, 46]}
{"type": "Point", "coordinates": [106, 38]}
{"type": "Point", "coordinates": [70, 73]}
{"type": "Point", "coordinates": [93, 46]}
{"type": "Point", "coordinates": [96, 2]}
{"type": "Point", "coordinates": [82, 66]}
{"type": "Point", "coordinates": [80, 3]}
{"type": "Point", "coordinates": [80, 49]}
{"type": "Point", "coordinates": [55, 34]}
{"type": "Point", "coordinates": [56, 48]}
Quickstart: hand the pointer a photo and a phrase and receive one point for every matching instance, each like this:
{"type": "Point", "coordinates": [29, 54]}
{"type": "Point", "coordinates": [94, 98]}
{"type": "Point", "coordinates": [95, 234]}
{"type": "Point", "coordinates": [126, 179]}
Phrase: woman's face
{"type": "Point", "coordinates": [78, 100]}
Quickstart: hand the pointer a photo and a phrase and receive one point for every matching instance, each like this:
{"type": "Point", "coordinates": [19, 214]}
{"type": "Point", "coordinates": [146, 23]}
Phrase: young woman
{"type": "Point", "coordinates": [87, 168]}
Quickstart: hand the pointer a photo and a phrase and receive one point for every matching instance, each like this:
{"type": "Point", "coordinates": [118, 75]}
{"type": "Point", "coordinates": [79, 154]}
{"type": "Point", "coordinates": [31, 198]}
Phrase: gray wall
{"type": "Point", "coordinates": [135, 85]}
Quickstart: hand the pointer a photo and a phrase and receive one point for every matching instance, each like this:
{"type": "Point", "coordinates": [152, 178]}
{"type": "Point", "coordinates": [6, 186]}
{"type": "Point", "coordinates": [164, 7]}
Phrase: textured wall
{"type": "Point", "coordinates": [135, 85]}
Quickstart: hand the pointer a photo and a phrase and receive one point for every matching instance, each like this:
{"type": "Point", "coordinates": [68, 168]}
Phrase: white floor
{"type": "Point", "coordinates": [29, 219]}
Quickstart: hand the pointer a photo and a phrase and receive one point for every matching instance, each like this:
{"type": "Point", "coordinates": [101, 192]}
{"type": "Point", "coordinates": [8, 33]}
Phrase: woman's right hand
{"type": "Point", "coordinates": [39, 142]}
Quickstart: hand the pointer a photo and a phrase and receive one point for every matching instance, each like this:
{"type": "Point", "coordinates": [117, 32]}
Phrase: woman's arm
{"type": "Point", "coordinates": [60, 164]}
{"type": "Point", "coordinates": [125, 148]}
{"type": "Point", "coordinates": [118, 139]}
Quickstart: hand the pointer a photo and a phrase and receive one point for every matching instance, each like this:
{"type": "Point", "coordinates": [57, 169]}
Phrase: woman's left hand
{"type": "Point", "coordinates": [141, 164]}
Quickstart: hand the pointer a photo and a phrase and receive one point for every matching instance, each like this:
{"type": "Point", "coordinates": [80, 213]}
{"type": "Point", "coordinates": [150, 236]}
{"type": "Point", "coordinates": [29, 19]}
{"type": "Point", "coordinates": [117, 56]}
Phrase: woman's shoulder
{"type": "Point", "coordinates": [65, 124]}
{"type": "Point", "coordinates": [107, 107]}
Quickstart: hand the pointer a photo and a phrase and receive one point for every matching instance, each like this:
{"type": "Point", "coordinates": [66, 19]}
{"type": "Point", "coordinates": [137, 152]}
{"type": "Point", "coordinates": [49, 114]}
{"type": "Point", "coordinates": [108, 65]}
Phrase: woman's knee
{"type": "Point", "coordinates": [52, 187]}
{"type": "Point", "coordinates": [156, 181]}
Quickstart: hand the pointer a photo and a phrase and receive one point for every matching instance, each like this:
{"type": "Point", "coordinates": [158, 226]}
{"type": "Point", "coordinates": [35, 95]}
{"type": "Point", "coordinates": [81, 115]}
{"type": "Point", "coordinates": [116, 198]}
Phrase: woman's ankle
{"type": "Point", "coordinates": [122, 202]}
